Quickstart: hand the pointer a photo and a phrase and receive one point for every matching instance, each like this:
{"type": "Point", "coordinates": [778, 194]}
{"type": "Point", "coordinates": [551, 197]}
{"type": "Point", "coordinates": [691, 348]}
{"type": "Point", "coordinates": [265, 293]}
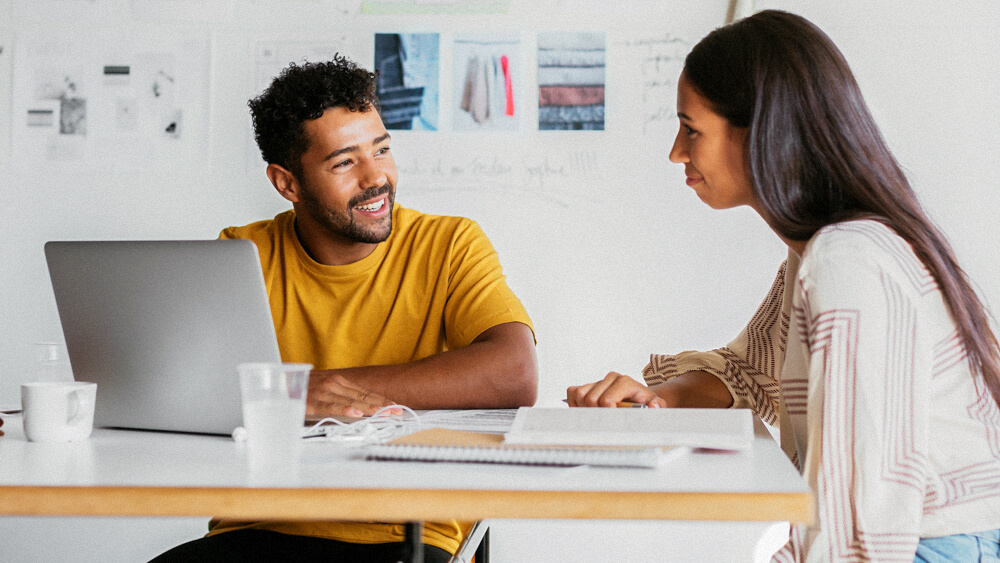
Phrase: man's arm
{"type": "Point", "coordinates": [497, 370]}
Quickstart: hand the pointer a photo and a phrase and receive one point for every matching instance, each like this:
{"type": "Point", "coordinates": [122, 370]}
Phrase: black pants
{"type": "Point", "coordinates": [248, 546]}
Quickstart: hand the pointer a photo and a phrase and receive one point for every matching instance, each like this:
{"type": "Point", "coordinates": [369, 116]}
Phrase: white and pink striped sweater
{"type": "Point", "coordinates": [854, 356]}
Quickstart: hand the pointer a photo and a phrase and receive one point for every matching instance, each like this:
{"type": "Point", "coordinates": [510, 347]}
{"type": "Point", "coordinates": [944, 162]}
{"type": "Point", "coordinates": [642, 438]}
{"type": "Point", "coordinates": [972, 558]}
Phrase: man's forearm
{"type": "Point", "coordinates": [497, 370]}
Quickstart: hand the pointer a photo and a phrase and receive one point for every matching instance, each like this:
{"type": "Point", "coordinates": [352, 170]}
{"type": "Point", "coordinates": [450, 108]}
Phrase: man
{"type": "Point", "coordinates": [389, 305]}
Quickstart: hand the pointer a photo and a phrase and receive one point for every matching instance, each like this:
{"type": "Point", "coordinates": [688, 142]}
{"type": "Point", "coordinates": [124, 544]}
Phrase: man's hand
{"type": "Point", "coordinates": [497, 370]}
{"type": "Point", "coordinates": [333, 395]}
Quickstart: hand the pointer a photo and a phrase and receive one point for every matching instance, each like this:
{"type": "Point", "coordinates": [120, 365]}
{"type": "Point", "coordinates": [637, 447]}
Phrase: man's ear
{"type": "Point", "coordinates": [284, 181]}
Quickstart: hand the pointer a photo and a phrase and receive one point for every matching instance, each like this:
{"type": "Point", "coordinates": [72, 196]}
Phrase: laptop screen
{"type": "Point", "coordinates": [160, 326]}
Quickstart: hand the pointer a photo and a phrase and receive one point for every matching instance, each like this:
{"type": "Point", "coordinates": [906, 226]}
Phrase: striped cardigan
{"type": "Point", "coordinates": [854, 357]}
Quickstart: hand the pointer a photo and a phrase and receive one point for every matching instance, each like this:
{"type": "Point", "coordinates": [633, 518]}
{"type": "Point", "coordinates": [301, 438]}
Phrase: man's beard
{"type": "Point", "coordinates": [341, 222]}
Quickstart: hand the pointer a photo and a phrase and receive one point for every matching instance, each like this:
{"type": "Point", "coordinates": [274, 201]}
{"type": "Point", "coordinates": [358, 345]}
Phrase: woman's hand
{"type": "Point", "coordinates": [613, 389]}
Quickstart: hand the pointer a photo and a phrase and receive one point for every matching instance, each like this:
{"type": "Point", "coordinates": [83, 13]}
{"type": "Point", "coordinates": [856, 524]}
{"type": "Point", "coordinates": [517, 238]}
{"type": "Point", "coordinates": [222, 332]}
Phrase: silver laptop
{"type": "Point", "coordinates": [160, 326]}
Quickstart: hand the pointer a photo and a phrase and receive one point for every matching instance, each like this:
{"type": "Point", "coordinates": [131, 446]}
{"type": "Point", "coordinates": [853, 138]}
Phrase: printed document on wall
{"type": "Point", "coordinates": [109, 102]}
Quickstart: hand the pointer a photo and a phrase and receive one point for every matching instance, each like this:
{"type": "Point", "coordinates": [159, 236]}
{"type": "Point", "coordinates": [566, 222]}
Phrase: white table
{"type": "Point", "coordinates": [139, 473]}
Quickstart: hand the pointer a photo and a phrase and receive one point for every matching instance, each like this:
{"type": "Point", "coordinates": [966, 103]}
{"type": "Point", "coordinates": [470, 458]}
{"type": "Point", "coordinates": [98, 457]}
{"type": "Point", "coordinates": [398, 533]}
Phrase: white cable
{"type": "Point", "coordinates": [381, 426]}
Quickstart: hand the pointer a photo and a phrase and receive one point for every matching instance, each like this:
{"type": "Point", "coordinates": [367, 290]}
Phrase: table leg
{"type": "Point", "coordinates": [413, 539]}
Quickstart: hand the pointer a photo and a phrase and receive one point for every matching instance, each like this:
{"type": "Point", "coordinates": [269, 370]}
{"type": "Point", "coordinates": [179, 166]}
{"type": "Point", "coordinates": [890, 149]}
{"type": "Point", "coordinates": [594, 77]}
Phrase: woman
{"type": "Point", "coordinates": [872, 353]}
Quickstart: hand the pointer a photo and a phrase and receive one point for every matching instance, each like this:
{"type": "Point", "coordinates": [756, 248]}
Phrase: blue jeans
{"type": "Point", "coordinates": [978, 547]}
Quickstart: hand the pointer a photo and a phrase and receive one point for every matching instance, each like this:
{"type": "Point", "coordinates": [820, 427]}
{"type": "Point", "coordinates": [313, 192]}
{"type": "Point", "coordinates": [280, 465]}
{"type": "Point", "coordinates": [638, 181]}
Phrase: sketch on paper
{"type": "Point", "coordinates": [487, 70]}
{"type": "Point", "coordinates": [117, 75]}
{"type": "Point", "coordinates": [41, 118]}
{"type": "Point", "coordinates": [73, 116]}
{"type": "Point", "coordinates": [144, 95]}
{"type": "Point", "coordinates": [571, 81]}
{"type": "Point", "coordinates": [408, 79]}
{"type": "Point", "coordinates": [58, 102]}
{"type": "Point", "coordinates": [113, 104]}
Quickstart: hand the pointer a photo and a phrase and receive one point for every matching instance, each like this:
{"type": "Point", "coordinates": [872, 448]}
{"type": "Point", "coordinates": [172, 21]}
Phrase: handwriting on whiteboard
{"type": "Point", "coordinates": [545, 176]}
{"type": "Point", "coordinates": [660, 59]}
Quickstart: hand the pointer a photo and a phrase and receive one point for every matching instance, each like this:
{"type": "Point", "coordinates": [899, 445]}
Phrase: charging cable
{"type": "Point", "coordinates": [387, 423]}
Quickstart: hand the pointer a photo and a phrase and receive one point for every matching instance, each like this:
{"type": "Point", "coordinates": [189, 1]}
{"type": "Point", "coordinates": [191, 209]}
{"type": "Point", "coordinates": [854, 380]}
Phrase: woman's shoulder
{"type": "Point", "coordinates": [863, 245]}
{"type": "Point", "coordinates": [866, 235]}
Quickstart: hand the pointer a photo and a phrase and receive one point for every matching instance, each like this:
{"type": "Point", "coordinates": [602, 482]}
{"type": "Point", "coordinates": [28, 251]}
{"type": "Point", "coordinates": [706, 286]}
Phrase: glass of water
{"type": "Point", "coordinates": [274, 411]}
{"type": "Point", "coordinates": [52, 363]}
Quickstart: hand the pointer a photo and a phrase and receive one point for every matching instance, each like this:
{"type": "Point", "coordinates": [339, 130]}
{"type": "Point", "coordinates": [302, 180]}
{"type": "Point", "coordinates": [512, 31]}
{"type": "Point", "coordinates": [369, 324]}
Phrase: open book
{"type": "Point", "coordinates": [726, 429]}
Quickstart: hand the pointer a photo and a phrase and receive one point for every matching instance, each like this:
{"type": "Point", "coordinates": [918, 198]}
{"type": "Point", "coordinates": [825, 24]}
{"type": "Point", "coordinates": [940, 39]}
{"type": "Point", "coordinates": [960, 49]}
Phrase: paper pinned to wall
{"type": "Point", "coordinates": [271, 57]}
{"type": "Point", "coordinates": [118, 103]}
{"type": "Point", "coordinates": [487, 74]}
{"type": "Point", "coordinates": [571, 81]}
{"type": "Point", "coordinates": [409, 67]}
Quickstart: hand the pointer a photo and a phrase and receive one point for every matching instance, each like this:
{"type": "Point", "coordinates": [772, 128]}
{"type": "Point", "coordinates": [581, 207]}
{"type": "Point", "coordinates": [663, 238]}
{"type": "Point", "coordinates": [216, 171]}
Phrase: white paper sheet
{"type": "Point", "coordinates": [493, 421]}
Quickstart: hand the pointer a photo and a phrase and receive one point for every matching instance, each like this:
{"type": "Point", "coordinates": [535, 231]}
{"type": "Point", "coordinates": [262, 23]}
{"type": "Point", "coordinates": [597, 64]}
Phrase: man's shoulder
{"type": "Point", "coordinates": [259, 231]}
{"type": "Point", "coordinates": [417, 224]}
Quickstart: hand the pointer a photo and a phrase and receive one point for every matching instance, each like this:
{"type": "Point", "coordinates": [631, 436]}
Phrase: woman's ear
{"type": "Point", "coordinates": [284, 181]}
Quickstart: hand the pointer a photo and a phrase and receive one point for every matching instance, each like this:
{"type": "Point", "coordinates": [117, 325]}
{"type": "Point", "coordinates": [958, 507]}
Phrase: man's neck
{"type": "Point", "coordinates": [330, 249]}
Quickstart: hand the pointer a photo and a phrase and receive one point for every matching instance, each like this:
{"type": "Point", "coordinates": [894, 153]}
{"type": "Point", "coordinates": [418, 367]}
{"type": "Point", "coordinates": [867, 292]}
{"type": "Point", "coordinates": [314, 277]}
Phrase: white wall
{"type": "Point", "coordinates": [614, 257]}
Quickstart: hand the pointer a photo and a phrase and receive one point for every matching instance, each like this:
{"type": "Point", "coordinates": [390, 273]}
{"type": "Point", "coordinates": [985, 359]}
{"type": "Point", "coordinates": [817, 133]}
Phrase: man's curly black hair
{"type": "Point", "coordinates": [302, 92]}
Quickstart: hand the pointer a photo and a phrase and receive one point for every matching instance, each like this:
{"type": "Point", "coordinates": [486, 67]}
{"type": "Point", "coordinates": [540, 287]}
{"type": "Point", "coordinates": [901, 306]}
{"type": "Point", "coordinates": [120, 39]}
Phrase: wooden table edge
{"type": "Point", "coordinates": [400, 504]}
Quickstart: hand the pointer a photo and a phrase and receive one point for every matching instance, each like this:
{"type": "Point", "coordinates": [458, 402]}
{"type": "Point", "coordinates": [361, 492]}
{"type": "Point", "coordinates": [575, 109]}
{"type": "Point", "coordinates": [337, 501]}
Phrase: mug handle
{"type": "Point", "coordinates": [76, 407]}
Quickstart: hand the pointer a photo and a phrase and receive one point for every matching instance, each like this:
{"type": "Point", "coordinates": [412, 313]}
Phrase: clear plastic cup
{"type": "Point", "coordinates": [52, 363]}
{"type": "Point", "coordinates": [274, 411]}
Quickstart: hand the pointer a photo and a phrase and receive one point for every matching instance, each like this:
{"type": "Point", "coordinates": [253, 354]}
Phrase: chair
{"type": "Point", "coordinates": [476, 543]}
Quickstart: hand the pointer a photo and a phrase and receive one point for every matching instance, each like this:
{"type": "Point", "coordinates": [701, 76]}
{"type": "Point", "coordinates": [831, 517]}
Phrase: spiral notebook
{"type": "Point", "coordinates": [440, 444]}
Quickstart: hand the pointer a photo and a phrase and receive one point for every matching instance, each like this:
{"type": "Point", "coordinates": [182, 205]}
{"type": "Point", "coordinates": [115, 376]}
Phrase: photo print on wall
{"type": "Point", "coordinates": [408, 79]}
{"type": "Point", "coordinates": [486, 73]}
{"type": "Point", "coordinates": [571, 81]}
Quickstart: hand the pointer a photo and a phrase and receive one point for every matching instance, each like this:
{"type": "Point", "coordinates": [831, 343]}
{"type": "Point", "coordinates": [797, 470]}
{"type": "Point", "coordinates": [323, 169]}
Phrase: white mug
{"type": "Point", "coordinates": [56, 411]}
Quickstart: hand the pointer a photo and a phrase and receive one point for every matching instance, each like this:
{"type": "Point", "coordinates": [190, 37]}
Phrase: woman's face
{"type": "Point", "coordinates": [712, 151]}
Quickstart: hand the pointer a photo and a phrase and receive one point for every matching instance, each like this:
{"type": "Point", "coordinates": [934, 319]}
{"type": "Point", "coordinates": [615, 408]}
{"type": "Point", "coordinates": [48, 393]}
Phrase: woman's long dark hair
{"type": "Point", "coordinates": [816, 157]}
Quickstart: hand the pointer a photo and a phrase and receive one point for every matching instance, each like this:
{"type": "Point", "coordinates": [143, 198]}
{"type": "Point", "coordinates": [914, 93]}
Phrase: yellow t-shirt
{"type": "Point", "coordinates": [434, 285]}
